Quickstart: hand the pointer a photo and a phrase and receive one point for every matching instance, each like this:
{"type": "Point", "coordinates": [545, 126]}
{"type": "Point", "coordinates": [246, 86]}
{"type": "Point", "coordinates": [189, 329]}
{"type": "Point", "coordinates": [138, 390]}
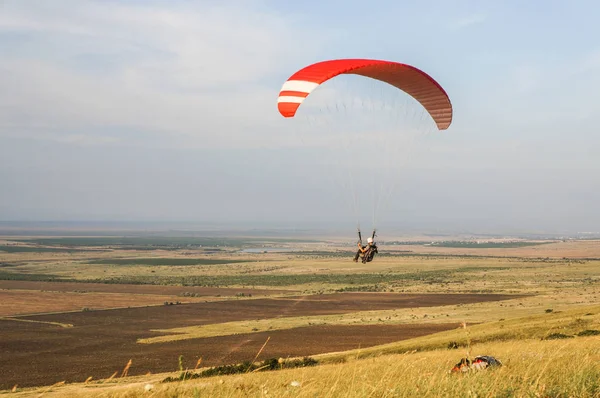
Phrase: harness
{"type": "Point", "coordinates": [369, 254]}
{"type": "Point", "coordinates": [371, 250]}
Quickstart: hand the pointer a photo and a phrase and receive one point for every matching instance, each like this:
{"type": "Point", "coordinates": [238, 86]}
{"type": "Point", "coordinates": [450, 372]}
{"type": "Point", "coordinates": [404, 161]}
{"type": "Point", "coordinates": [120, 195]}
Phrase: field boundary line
{"type": "Point", "coordinates": [63, 325]}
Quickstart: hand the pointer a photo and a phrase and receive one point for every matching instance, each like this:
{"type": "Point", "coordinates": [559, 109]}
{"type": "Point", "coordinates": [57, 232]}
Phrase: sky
{"type": "Point", "coordinates": [166, 111]}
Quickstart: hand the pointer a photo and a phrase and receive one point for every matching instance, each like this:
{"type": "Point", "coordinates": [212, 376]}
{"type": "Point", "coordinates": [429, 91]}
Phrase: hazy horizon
{"type": "Point", "coordinates": [156, 111]}
{"type": "Point", "coordinates": [266, 230]}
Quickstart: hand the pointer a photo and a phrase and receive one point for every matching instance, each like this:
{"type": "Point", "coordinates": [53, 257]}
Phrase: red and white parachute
{"type": "Point", "coordinates": [389, 109]}
{"type": "Point", "coordinates": [407, 78]}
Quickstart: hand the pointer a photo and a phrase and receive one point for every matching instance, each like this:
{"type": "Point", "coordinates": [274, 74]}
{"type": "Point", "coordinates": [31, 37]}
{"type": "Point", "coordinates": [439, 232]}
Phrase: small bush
{"type": "Point", "coordinates": [245, 367]}
{"type": "Point", "coordinates": [549, 310]}
{"type": "Point", "coordinates": [557, 336]}
{"type": "Point", "coordinates": [589, 332]}
{"type": "Point", "coordinates": [453, 345]}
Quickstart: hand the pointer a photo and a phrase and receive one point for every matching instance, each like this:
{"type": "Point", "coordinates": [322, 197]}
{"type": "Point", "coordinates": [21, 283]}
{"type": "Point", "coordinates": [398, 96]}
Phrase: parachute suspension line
{"type": "Point", "coordinates": [410, 138]}
{"type": "Point", "coordinates": [352, 177]}
{"type": "Point", "coordinates": [355, 209]}
{"type": "Point", "coordinates": [315, 124]}
{"type": "Point", "coordinates": [375, 108]}
{"type": "Point", "coordinates": [422, 115]}
{"type": "Point", "coordinates": [355, 196]}
{"type": "Point", "coordinates": [424, 152]}
{"type": "Point", "coordinates": [375, 200]}
{"type": "Point", "coordinates": [390, 114]}
{"type": "Point", "coordinates": [415, 139]}
{"type": "Point", "coordinates": [361, 96]}
{"type": "Point", "coordinates": [436, 99]}
{"type": "Point", "coordinates": [388, 193]}
{"type": "Point", "coordinates": [347, 144]}
{"type": "Point", "coordinates": [382, 173]}
{"type": "Point", "coordinates": [390, 148]}
{"type": "Point", "coordinates": [362, 138]}
{"type": "Point", "coordinates": [393, 151]}
{"type": "Point", "coordinates": [327, 112]}
{"type": "Point", "coordinates": [386, 107]}
{"type": "Point", "coordinates": [353, 202]}
{"type": "Point", "coordinates": [372, 109]}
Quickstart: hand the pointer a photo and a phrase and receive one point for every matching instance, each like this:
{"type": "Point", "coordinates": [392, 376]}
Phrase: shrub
{"type": "Point", "coordinates": [245, 367]}
{"type": "Point", "coordinates": [589, 332]}
{"type": "Point", "coordinates": [453, 345]}
{"type": "Point", "coordinates": [557, 336]}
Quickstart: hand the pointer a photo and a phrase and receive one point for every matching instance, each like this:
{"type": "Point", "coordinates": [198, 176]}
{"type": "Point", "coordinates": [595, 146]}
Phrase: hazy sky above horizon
{"type": "Point", "coordinates": [166, 110]}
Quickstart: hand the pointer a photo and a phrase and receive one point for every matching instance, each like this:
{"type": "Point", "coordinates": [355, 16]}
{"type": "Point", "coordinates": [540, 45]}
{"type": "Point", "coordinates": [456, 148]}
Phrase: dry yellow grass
{"type": "Point", "coordinates": [569, 368]}
{"type": "Point", "coordinates": [418, 367]}
{"type": "Point", "coordinates": [471, 313]}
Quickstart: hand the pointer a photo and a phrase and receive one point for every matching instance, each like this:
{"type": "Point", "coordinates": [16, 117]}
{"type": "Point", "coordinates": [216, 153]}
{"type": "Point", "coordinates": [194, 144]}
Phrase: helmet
{"type": "Point", "coordinates": [370, 240]}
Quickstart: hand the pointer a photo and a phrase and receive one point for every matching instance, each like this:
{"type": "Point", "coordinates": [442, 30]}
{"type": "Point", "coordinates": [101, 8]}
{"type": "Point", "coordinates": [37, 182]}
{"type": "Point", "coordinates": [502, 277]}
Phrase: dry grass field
{"type": "Point", "coordinates": [105, 305]}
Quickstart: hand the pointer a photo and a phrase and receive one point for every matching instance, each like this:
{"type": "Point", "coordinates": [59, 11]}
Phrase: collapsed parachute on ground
{"type": "Point", "coordinates": [479, 363]}
{"type": "Point", "coordinates": [409, 79]}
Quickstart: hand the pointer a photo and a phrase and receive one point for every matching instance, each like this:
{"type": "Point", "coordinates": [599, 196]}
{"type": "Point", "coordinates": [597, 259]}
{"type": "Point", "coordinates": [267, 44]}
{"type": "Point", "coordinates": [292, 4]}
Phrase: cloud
{"type": "Point", "coordinates": [206, 72]}
{"type": "Point", "coordinates": [467, 21]}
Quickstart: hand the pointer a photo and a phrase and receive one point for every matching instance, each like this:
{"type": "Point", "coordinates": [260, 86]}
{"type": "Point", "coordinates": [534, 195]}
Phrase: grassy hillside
{"type": "Point", "coordinates": [547, 355]}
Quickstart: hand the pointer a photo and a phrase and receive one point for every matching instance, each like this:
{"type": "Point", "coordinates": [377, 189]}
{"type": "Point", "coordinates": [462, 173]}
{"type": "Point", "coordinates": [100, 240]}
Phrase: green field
{"type": "Point", "coordinates": [20, 276]}
{"type": "Point", "coordinates": [166, 261]}
{"type": "Point", "coordinates": [354, 282]}
{"type": "Point", "coordinates": [34, 249]}
{"type": "Point", "coordinates": [470, 244]}
{"type": "Point", "coordinates": [156, 242]}
{"type": "Point", "coordinates": [288, 279]}
{"type": "Point", "coordinates": [486, 245]}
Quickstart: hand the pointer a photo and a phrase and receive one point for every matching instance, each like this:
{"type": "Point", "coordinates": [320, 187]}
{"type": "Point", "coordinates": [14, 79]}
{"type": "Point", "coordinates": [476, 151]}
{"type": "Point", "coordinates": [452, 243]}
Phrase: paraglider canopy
{"type": "Point", "coordinates": [409, 79]}
{"type": "Point", "coordinates": [365, 119]}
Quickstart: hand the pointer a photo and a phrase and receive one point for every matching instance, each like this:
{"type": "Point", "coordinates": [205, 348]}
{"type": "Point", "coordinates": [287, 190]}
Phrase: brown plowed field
{"type": "Point", "coordinates": [101, 342]}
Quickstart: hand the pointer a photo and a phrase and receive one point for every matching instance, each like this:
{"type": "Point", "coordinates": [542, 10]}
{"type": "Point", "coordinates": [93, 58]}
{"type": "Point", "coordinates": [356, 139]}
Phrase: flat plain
{"type": "Point", "coordinates": [73, 308]}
